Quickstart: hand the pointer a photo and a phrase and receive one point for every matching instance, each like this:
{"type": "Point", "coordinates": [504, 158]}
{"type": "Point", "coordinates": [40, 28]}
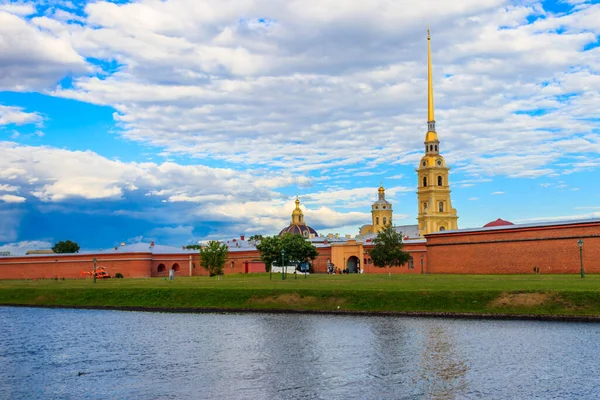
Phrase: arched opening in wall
{"type": "Point", "coordinates": [384, 220]}
{"type": "Point", "coordinates": [424, 181]}
{"type": "Point", "coordinates": [411, 263]}
{"type": "Point", "coordinates": [441, 206]}
{"type": "Point", "coordinates": [430, 147]}
{"type": "Point", "coordinates": [436, 148]}
{"type": "Point", "coordinates": [353, 264]}
{"type": "Point", "coordinates": [376, 220]}
{"type": "Point", "coordinates": [442, 228]}
{"type": "Point", "coordinates": [175, 267]}
{"type": "Point", "coordinates": [439, 181]}
{"type": "Point", "coordinates": [161, 268]}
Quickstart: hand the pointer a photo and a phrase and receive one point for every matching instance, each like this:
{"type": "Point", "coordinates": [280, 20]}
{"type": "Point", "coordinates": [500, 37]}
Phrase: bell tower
{"type": "Point", "coordinates": [381, 212]}
{"type": "Point", "coordinates": [433, 193]}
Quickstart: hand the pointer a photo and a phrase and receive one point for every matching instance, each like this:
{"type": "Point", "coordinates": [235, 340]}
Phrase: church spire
{"type": "Point", "coordinates": [430, 114]}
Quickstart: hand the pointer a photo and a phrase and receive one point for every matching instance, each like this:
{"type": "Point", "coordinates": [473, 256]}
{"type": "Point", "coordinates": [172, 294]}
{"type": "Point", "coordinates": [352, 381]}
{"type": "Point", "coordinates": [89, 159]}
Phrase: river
{"type": "Point", "coordinates": [95, 354]}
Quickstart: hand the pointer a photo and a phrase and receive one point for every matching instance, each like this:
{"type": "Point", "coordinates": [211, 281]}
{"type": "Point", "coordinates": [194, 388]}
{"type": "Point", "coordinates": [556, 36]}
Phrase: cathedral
{"type": "Point", "coordinates": [435, 212]}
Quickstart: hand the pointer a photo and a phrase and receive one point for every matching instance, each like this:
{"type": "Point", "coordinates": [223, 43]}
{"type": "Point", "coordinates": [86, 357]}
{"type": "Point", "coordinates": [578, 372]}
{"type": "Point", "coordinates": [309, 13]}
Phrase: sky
{"type": "Point", "coordinates": [185, 120]}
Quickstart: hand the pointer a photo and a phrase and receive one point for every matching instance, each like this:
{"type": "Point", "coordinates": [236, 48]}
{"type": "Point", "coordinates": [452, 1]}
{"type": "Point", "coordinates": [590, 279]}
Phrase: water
{"type": "Point", "coordinates": [134, 355]}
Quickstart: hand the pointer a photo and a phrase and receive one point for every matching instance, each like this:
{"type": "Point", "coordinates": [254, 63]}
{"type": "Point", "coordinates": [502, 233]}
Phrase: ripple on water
{"type": "Point", "coordinates": [85, 354]}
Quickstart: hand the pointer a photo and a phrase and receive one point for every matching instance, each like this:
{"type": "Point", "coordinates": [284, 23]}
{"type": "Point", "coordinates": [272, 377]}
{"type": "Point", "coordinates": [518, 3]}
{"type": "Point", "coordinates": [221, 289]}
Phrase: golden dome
{"type": "Point", "coordinates": [431, 137]}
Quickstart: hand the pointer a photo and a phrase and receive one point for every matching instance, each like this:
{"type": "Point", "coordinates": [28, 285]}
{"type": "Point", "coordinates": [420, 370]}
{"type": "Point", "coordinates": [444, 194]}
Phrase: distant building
{"type": "Point", "coordinates": [298, 225]}
{"type": "Point", "coordinates": [47, 251]}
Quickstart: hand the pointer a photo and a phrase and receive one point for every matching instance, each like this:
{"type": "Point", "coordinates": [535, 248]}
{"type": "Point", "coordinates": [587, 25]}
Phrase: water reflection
{"type": "Point", "coordinates": [253, 356]}
{"type": "Point", "coordinates": [442, 370]}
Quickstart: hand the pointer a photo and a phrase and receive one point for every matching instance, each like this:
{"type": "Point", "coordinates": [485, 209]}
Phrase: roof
{"type": "Point", "coordinates": [303, 230]}
{"type": "Point", "coordinates": [498, 222]}
{"type": "Point", "coordinates": [519, 226]}
{"type": "Point", "coordinates": [412, 231]}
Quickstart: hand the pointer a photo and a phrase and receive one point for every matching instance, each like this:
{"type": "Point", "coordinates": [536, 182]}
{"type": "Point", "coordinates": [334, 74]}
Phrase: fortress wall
{"type": "Point", "coordinates": [517, 250]}
{"type": "Point", "coordinates": [132, 265]}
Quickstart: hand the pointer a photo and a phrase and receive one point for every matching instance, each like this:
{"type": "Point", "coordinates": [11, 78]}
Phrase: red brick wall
{"type": "Point", "coordinates": [132, 265]}
{"type": "Point", "coordinates": [516, 251]}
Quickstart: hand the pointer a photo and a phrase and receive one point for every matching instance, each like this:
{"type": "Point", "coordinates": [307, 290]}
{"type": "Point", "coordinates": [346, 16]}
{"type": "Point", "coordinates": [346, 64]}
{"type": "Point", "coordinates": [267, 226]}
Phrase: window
{"type": "Point", "coordinates": [411, 263]}
{"type": "Point", "coordinates": [376, 220]}
{"type": "Point", "coordinates": [424, 206]}
{"type": "Point", "coordinates": [430, 147]}
{"type": "Point", "coordinates": [441, 206]}
{"type": "Point", "coordinates": [436, 148]}
{"type": "Point", "coordinates": [442, 228]}
{"type": "Point", "coordinates": [385, 220]}
{"type": "Point", "coordinates": [439, 181]}
{"type": "Point", "coordinates": [383, 207]}
{"type": "Point", "coordinates": [424, 181]}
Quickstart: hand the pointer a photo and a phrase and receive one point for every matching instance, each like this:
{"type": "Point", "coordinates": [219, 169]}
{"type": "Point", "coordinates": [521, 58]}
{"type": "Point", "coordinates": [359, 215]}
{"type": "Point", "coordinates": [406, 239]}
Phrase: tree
{"type": "Point", "coordinates": [387, 250]}
{"type": "Point", "coordinates": [269, 249]}
{"type": "Point", "coordinates": [193, 247]}
{"type": "Point", "coordinates": [66, 246]}
{"type": "Point", "coordinates": [295, 246]}
{"type": "Point", "coordinates": [255, 238]}
{"type": "Point", "coordinates": [213, 257]}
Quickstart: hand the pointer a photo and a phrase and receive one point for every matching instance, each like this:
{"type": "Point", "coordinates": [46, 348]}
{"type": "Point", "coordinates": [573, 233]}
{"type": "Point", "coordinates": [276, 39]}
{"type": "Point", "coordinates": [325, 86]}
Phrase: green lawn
{"type": "Point", "coordinates": [494, 294]}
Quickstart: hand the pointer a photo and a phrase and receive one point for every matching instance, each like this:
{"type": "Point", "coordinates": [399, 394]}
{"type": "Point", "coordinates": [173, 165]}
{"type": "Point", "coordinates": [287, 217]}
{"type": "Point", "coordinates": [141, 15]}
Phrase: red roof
{"type": "Point", "coordinates": [498, 222]}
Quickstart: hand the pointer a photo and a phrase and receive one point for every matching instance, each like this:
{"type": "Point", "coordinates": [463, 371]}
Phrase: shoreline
{"type": "Point", "coordinates": [414, 314]}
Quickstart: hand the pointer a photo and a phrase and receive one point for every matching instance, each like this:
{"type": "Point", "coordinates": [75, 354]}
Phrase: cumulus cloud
{"type": "Point", "coordinates": [289, 94]}
{"type": "Point", "coordinates": [11, 198]}
{"type": "Point", "coordinates": [33, 58]}
{"type": "Point", "coordinates": [20, 248]}
{"type": "Point", "coordinates": [244, 200]}
{"type": "Point", "coordinates": [16, 115]}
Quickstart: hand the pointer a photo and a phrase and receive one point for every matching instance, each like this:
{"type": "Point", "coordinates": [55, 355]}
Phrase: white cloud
{"type": "Point", "coordinates": [8, 188]}
{"type": "Point", "coordinates": [20, 248]}
{"type": "Point", "coordinates": [16, 115]}
{"type": "Point", "coordinates": [473, 198]}
{"type": "Point", "coordinates": [497, 193]}
{"type": "Point", "coordinates": [11, 198]}
{"type": "Point", "coordinates": [33, 58]}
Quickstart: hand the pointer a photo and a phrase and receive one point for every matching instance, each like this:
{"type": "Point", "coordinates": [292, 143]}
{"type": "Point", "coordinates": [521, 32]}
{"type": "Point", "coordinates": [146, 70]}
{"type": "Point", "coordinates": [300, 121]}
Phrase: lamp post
{"type": "Point", "coordinates": [282, 264]}
{"type": "Point", "coordinates": [580, 244]}
{"type": "Point", "coordinates": [421, 264]}
{"type": "Point", "coordinates": [94, 269]}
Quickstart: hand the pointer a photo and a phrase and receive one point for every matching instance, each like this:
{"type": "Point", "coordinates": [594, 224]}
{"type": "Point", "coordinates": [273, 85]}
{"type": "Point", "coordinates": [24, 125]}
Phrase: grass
{"type": "Point", "coordinates": [480, 294]}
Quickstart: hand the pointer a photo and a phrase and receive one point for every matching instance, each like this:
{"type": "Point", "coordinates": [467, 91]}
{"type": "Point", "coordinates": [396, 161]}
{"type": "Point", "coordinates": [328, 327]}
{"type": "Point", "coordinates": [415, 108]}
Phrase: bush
{"type": "Point", "coordinates": [118, 275]}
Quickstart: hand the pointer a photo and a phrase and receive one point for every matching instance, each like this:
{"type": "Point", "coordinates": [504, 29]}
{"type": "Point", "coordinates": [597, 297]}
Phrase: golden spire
{"type": "Point", "coordinates": [430, 117]}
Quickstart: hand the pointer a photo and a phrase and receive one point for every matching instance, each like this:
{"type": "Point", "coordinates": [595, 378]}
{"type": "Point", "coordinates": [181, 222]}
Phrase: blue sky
{"type": "Point", "coordinates": [183, 120]}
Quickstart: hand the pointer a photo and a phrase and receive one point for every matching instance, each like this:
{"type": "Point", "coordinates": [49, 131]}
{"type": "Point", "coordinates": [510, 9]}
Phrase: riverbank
{"type": "Point", "coordinates": [488, 296]}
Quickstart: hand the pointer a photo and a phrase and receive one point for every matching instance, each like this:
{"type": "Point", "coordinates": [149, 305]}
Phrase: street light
{"type": "Point", "coordinates": [282, 264]}
{"type": "Point", "coordinates": [580, 244]}
{"type": "Point", "coordinates": [421, 264]}
{"type": "Point", "coordinates": [94, 269]}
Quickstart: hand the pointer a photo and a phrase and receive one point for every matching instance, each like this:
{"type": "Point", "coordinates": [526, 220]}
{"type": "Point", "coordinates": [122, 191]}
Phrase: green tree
{"type": "Point", "coordinates": [255, 238]}
{"type": "Point", "coordinates": [295, 246]}
{"type": "Point", "coordinates": [213, 257]}
{"type": "Point", "coordinates": [193, 247]}
{"type": "Point", "coordinates": [66, 246]}
{"type": "Point", "coordinates": [387, 250]}
{"type": "Point", "coordinates": [269, 249]}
